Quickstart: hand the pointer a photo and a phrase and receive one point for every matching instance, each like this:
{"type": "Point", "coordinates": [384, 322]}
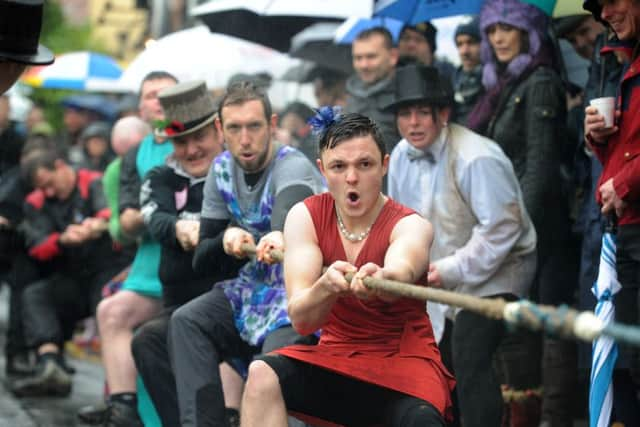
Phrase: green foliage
{"type": "Point", "coordinates": [59, 36]}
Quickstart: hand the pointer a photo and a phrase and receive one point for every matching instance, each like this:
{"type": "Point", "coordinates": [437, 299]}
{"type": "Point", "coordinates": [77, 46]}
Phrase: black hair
{"type": "Point", "coordinates": [382, 31]}
{"type": "Point", "coordinates": [348, 126]}
{"type": "Point", "coordinates": [38, 158]}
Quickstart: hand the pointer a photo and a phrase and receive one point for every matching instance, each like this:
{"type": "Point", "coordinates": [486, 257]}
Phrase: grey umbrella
{"type": "Point", "coordinates": [316, 43]}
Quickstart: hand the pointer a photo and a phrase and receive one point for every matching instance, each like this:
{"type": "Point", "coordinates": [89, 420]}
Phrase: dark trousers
{"type": "Point", "coordinates": [51, 307]}
{"type": "Point", "coordinates": [201, 334]}
{"type": "Point", "coordinates": [150, 352]}
{"type": "Point", "coordinates": [626, 380]}
{"type": "Point", "coordinates": [23, 271]}
{"type": "Point", "coordinates": [474, 340]}
{"type": "Point", "coordinates": [330, 396]}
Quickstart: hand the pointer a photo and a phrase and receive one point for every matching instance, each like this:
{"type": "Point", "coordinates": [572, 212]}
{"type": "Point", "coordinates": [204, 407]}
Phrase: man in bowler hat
{"type": "Point", "coordinates": [20, 22]}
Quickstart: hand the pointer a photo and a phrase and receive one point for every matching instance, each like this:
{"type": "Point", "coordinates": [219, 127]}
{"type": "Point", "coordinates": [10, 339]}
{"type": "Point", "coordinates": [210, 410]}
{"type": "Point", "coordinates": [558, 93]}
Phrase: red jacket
{"type": "Point", "coordinates": [620, 155]}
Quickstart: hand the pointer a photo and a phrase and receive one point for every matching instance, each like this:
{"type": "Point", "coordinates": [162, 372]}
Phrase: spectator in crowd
{"type": "Point", "coordinates": [377, 360]}
{"type": "Point", "coordinates": [581, 31]}
{"type": "Point", "coordinates": [524, 111]}
{"type": "Point", "coordinates": [374, 61]}
{"type": "Point", "coordinates": [95, 143]}
{"type": "Point", "coordinates": [139, 298]}
{"type": "Point", "coordinates": [419, 41]}
{"type": "Point", "coordinates": [294, 129]}
{"type": "Point", "coordinates": [35, 117]}
{"type": "Point", "coordinates": [467, 80]}
{"type": "Point", "coordinates": [172, 211]}
{"type": "Point", "coordinates": [587, 36]}
{"type": "Point", "coordinates": [20, 24]}
{"type": "Point", "coordinates": [447, 173]}
{"type": "Point", "coordinates": [329, 87]}
{"type": "Point", "coordinates": [65, 224]}
{"type": "Point", "coordinates": [251, 186]}
{"type": "Point", "coordinates": [10, 140]}
{"type": "Point", "coordinates": [126, 134]}
{"type": "Point", "coordinates": [16, 267]}
{"type": "Point", "coordinates": [617, 148]}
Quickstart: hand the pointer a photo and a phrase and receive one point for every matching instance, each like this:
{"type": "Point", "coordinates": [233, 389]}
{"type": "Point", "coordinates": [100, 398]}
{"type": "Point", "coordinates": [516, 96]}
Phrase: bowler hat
{"type": "Point", "coordinates": [187, 107]}
{"type": "Point", "coordinates": [418, 83]}
{"type": "Point", "coordinates": [20, 22]}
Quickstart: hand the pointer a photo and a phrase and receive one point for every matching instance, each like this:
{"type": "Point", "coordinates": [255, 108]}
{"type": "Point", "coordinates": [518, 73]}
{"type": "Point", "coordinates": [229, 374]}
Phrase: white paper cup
{"type": "Point", "coordinates": [606, 107]}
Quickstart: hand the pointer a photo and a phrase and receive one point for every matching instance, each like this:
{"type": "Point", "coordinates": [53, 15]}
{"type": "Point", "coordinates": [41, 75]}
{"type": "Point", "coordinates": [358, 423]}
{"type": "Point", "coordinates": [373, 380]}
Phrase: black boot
{"type": "Point", "coordinates": [121, 414]}
{"type": "Point", "coordinates": [93, 414]}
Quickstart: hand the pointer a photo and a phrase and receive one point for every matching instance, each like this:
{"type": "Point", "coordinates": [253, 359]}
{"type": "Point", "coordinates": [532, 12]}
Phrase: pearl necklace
{"type": "Point", "coordinates": [352, 237]}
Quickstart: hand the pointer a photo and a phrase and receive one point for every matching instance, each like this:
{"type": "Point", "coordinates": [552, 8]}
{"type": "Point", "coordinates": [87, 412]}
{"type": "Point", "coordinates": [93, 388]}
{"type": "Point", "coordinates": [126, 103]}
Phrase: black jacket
{"type": "Point", "coordinates": [529, 125]}
{"type": "Point", "coordinates": [174, 195]}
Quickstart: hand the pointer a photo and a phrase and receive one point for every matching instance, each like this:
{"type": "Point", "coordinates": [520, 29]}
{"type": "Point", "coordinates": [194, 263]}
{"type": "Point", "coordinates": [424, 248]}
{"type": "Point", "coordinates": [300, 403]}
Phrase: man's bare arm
{"type": "Point", "coordinates": [311, 293]}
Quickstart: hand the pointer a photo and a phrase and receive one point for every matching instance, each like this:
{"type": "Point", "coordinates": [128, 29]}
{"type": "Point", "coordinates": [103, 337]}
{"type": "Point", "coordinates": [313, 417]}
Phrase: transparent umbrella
{"type": "Point", "coordinates": [196, 53]}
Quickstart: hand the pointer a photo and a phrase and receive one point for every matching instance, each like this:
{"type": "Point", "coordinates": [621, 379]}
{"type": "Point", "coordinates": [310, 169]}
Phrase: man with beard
{"type": "Point", "coordinates": [251, 187]}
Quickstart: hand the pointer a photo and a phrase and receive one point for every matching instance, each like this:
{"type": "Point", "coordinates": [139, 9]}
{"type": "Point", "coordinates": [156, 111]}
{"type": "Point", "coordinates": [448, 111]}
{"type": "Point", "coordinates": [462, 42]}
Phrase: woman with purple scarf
{"type": "Point", "coordinates": [524, 111]}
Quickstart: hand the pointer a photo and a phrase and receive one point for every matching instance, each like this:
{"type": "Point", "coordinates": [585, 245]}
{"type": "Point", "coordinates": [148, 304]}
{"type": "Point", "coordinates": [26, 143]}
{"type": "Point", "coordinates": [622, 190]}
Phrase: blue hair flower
{"type": "Point", "coordinates": [325, 117]}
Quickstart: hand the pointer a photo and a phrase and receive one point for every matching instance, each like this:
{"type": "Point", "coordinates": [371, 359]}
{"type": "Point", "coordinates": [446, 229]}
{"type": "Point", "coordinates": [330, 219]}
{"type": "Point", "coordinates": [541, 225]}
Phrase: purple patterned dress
{"type": "Point", "coordinates": [257, 295]}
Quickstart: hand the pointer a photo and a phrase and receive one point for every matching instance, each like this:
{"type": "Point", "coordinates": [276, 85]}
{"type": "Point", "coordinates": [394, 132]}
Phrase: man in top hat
{"type": "Point", "coordinates": [20, 23]}
{"type": "Point", "coordinates": [419, 42]}
{"type": "Point", "coordinates": [171, 203]}
{"type": "Point", "coordinates": [467, 81]}
{"type": "Point", "coordinates": [448, 174]}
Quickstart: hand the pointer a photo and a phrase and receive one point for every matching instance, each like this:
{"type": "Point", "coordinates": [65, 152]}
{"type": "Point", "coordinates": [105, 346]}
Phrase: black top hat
{"type": "Point", "coordinates": [20, 22]}
{"type": "Point", "coordinates": [416, 83]}
{"type": "Point", "coordinates": [187, 107]}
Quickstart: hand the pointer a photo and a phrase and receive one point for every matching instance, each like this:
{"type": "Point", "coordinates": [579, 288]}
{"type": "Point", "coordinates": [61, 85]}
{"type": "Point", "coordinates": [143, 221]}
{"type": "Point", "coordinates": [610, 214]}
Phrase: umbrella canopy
{"type": "Point", "coordinates": [349, 30]}
{"type": "Point", "coordinates": [87, 71]}
{"type": "Point", "coordinates": [415, 11]}
{"type": "Point", "coordinates": [196, 53]}
{"type": "Point", "coordinates": [558, 8]}
{"type": "Point", "coordinates": [273, 23]}
{"type": "Point", "coordinates": [316, 43]}
{"type": "Point", "coordinates": [605, 349]}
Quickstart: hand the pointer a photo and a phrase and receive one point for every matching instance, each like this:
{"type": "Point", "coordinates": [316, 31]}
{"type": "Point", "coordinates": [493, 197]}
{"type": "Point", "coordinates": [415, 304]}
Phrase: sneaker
{"type": "Point", "coordinates": [20, 364]}
{"type": "Point", "coordinates": [122, 415]}
{"type": "Point", "coordinates": [93, 414]}
{"type": "Point", "coordinates": [50, 379]}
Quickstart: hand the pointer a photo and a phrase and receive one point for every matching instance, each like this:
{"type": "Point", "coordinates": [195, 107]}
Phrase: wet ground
{"type": "Point", "coordinates": [51, 412]}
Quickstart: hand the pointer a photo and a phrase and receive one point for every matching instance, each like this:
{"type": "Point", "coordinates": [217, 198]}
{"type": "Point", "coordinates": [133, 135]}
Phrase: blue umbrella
{"type": "Point", "coordinates": [605, 349]}
{"type": "Point", "coordinates": [349, 30]}
{"type": "Point", "coordinates": [416, 11]}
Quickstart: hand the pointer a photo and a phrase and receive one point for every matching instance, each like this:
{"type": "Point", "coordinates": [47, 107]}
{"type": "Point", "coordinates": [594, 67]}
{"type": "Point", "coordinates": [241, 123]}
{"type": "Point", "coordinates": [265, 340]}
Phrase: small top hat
{"type": "Point", "coordinates": [420, 84]}
{"type": "Point", "coordinates": [20, 22]}
{"type": "Point", "coordinates": [187, 107]}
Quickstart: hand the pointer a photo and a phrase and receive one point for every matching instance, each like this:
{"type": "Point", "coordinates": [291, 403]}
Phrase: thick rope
{"type": "Point", "coordinates": [562, 321]}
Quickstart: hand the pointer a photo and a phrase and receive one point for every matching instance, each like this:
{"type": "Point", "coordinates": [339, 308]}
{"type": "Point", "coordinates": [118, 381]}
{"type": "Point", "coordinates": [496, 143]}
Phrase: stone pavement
{"type": "Point", "coordinates": [51, 412]}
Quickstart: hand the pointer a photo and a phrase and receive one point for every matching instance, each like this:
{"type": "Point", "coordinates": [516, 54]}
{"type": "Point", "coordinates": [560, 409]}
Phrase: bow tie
{"type": "Point", "coordinates": [415, 154]}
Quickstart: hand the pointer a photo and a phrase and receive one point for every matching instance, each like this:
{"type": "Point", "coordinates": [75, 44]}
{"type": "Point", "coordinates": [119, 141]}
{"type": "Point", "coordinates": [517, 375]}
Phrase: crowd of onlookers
{"type": "Point", "coordinates": [129, 217]}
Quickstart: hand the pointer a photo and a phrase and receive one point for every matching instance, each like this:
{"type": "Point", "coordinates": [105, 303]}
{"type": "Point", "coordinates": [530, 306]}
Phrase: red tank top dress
{"type": "Point", "coordinates": [388, 344]}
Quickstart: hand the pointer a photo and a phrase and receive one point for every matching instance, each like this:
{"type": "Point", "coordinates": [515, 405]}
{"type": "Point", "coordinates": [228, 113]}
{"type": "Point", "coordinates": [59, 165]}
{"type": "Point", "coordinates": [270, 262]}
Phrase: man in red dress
{"type": "Point", "coordinates": [377, 361]}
